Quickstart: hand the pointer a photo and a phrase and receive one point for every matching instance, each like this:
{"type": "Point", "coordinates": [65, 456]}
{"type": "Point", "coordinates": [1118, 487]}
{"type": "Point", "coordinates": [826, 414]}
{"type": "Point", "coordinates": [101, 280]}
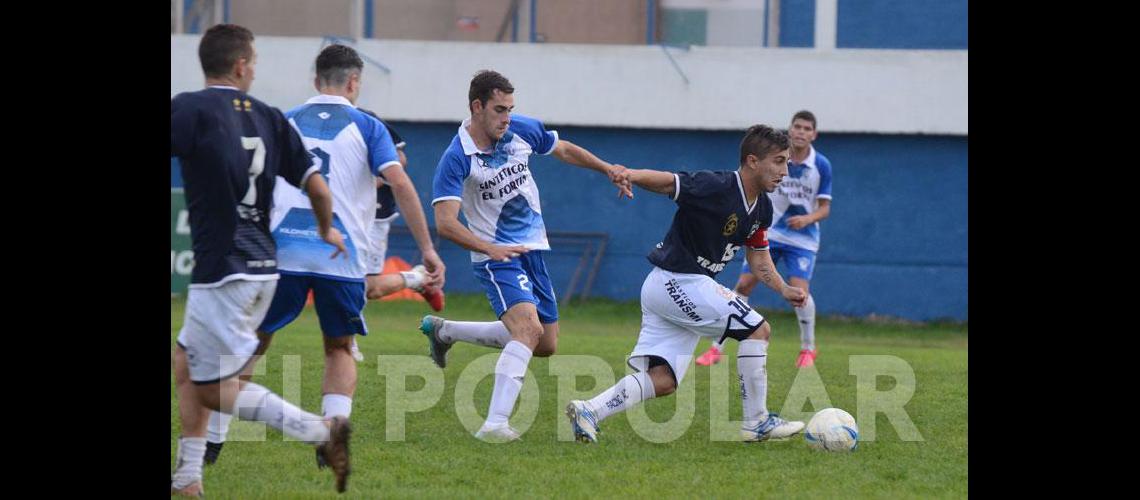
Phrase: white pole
{"type": "Point", "coordinates": [356, 20]}
{"type": "Point", "coordinates": [774, 23]}
{"type": "Point", "coordinates": [826, 22]}
{"type": "Point", "coordinates": [178, 6]}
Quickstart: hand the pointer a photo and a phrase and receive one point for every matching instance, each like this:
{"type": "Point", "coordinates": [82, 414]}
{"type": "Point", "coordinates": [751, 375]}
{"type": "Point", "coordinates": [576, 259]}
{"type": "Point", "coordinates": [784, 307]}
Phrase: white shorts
{"type": "Point", "coordinates": [374, 261]}
{"type": "Point", "coordinates": [219, 328]}
{"type": "Point", "coordinates": [678, 309]}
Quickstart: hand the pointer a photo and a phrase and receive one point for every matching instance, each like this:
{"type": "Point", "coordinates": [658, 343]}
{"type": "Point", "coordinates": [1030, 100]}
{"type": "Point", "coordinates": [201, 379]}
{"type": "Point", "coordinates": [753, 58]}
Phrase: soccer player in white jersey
{"type": "Point", "coordinates": [232, 148]}
{"type": "Point", "coordinates": [485, 171]}
{"type": "Point", "coordinates": [352, 149]}
{"type": "Point", "coordinates": [717, 213]}
{"type": "Point", "coordinates": [802, 200]}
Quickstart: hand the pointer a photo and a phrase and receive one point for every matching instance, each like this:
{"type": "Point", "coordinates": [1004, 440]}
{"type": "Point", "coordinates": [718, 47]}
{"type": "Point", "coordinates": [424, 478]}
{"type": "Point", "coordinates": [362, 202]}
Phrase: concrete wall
{"type": "Point", "coordinates": [728, 88]}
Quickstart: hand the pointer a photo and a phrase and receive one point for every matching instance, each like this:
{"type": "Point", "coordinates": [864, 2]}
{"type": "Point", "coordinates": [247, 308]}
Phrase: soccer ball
{"type": "Point", "coordinates": [832, 429]}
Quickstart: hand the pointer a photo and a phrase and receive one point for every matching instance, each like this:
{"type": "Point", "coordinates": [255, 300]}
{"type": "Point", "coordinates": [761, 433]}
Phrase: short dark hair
{"type": "Point", "coordinates": [222, 46]}
{"type": "Point", "coordinates": [805, 115]}
{"type": "Point", "coordinates": [484, 84]}
{"type": "Point", "coordinates": [336, 63]}
{"type": "Point", "coordinates": [760, 140]}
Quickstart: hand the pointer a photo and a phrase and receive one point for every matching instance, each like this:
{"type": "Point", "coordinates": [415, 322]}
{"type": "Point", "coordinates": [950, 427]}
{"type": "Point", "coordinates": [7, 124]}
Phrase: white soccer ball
{"type": "Point", "coordinates": [832, 429]}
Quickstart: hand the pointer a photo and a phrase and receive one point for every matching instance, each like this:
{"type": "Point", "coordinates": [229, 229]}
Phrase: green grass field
{"type": "Point", "coordinates": [438, 456]}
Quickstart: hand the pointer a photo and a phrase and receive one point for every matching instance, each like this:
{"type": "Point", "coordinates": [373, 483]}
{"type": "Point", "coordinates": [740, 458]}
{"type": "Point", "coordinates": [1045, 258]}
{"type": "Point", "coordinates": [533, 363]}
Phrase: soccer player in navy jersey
{"type": "Point", "coordinates": [717, 213]}
{"type": "Point", "coordinates": [802, 200]}
{"type": "Point", "coordinates": [232, 148]}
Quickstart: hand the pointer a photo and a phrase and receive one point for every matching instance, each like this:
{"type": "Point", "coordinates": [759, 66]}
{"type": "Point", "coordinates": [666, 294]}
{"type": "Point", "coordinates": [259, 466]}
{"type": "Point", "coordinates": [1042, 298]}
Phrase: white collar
{"type": "Point", "coordinates": [743, 196]}
{"type": "Point", "coordinates": [328, 99]}
{"type": "Point", "coordinates": [469, 147]}
{"type": "Point", "coordinates": [810, 160]}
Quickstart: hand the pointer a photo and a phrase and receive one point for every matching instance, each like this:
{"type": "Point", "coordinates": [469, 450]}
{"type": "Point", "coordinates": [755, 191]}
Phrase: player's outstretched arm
{"type": "Point", "coordinates": [653, 180]}
{"type": "Point", "coordinates": [578, 156]}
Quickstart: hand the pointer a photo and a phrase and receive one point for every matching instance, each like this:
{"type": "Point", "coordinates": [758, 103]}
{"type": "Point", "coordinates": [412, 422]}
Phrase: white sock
{"type": "Point", "coordinates": [255, 402]}
{"type": "Point", "coordinates": [336, 404]}
{"type": "Point", "coordinates": [486, 333]}
{"type": "Point", "coordinates": [509, 373]}
{"type": "Point", "coordinates": [413, 280]}
{"type": "Point", "coordinates": [751, 359]}
{"type": "Point", "coordinates": [627, 392]}
{"type": "Point", "coordinates": [806, 314]}
{"type": "Point", "coordinates": [188, 467]}
{"type": "Point", "coordinates": [218, 427]}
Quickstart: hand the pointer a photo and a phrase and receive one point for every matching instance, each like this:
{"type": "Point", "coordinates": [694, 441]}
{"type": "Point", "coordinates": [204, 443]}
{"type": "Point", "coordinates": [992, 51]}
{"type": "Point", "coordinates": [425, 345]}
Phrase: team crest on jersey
{"type": "Point", "coordinates": [237, 105]}
{"type": "Point", "coordinates": [247, 104]}
{"type": "Point", "coordinates": [730, 225]}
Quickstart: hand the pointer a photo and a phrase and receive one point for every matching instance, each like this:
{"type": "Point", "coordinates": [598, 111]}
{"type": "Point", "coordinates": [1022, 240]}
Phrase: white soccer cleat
{"type": "Point", "coordinates": [773, 428]}
{"type": "Point", "coordinates": [497, 434]}
{"type": "Point", "coordinates": [582, 421]}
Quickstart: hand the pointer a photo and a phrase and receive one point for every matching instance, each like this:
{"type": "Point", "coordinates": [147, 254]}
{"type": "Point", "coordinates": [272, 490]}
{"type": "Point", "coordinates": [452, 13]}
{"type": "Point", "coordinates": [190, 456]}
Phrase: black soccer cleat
{"type": "Point", "coordinates": [212, 452]}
